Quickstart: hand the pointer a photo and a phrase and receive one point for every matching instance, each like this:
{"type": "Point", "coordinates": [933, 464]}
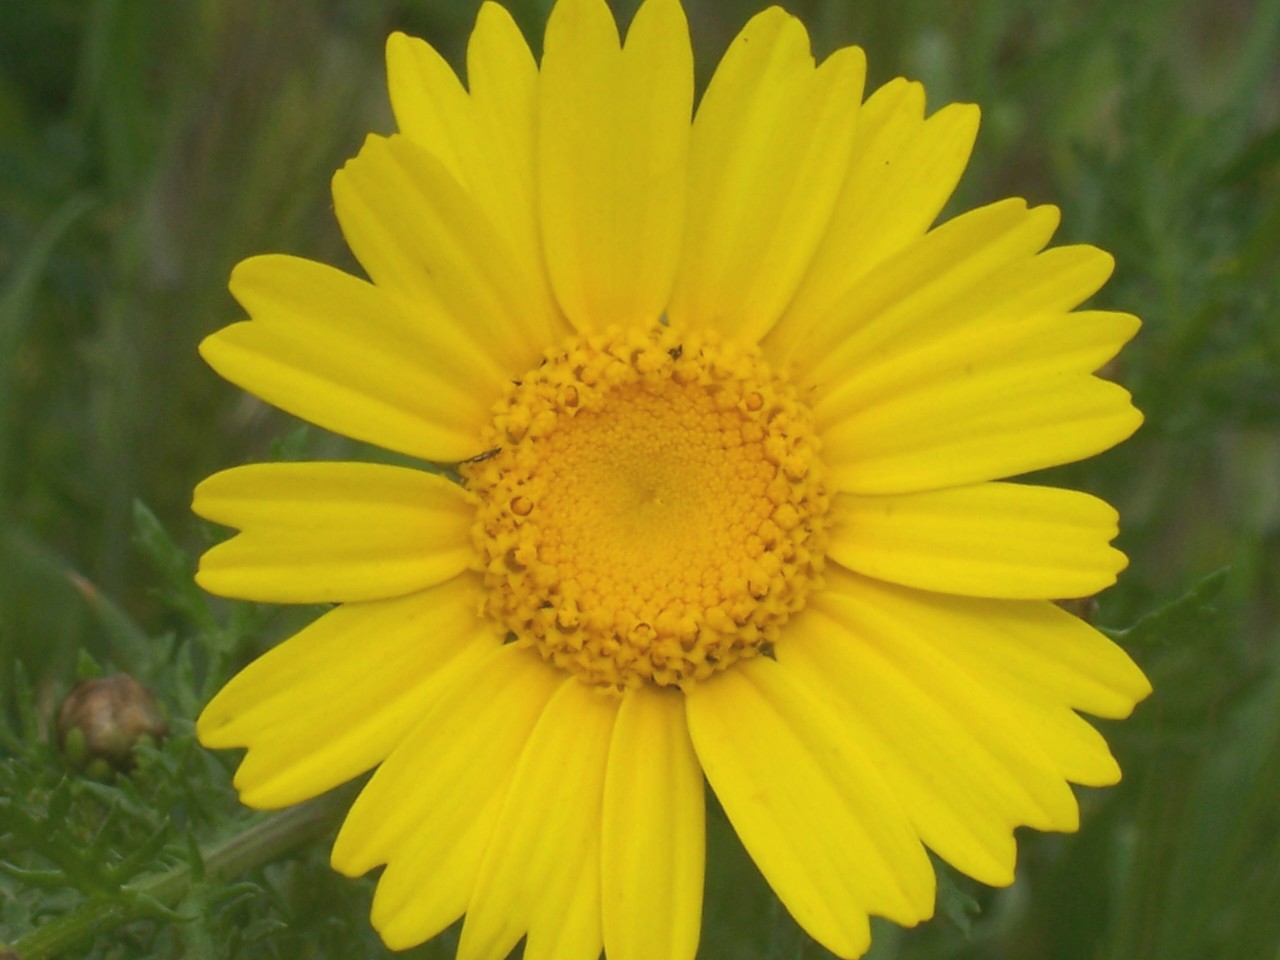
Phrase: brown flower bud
{"type": "Point", "coordinates": [102, 720]}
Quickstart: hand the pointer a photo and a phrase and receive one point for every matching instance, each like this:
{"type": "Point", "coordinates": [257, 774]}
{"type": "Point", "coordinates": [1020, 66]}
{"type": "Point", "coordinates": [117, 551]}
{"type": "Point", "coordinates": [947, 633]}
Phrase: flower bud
{"type": "Point", "coordinates": [102, 719]}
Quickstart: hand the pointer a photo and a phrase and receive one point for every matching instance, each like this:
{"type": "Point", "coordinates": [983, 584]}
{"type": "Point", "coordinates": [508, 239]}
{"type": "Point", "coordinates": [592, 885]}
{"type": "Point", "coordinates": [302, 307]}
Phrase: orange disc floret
{"type": "Point", "coordinates": [656, 508]}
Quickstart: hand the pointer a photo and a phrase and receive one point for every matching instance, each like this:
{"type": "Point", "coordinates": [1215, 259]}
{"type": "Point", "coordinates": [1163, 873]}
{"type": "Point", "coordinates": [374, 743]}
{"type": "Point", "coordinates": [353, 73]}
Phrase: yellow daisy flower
{"type": "Point", "coordinates": [727, 422]}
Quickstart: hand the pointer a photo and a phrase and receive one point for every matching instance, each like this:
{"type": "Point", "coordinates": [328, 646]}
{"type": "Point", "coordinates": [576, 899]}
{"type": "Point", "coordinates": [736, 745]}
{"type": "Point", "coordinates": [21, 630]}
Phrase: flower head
{"type": "Point", "coordinates": [724, 424]}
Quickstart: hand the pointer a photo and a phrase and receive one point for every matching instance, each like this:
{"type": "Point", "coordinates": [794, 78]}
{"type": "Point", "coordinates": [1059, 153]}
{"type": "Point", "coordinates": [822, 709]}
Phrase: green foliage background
{"type": "Point", "coordinates": [147, 145]}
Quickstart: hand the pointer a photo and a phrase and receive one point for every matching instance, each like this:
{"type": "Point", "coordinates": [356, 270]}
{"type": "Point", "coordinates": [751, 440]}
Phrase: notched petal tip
{"type": "Point", "coordinates": [774, 30]}
{"type": "Point", "coordinates": [206, 581]}
{"type": "Point", "coordinates": [1131, 418]}
{"type": "Point", "coordinates": [1128, 681]}
{"type": "Point", "coordinates": [897, 96]}
{"type": "Point", "coordinates": [216, 727]}
{"type": "Point", "coordinates": [224, 572]}
{"type": "Point", "coordinates": [400, 51]}
{"type": "Point", "coordinates": [1129, 323]}
{"type": "Point", "coordinates": [768, 22]}
{"type": "Point", "coordinates": [1106, 263]}
{"type": "Point", "coordinates": [265, 793]}
{"type": "Point", "coordinates": [847, 68]}
{"type": "Point", "coordinates": [395, 929]}
{"type": "Point", "coordinates": [210, 348]}
{"type": "Point", "coordinates": [213, 725]}
{"type": "Point", "coordinates": [659, 32]}
{"type": "Point", "coordinates": [248, 272]}
{"type": "Point", "coordinates": [372, 141]}
{"type": "Point", "coordinates": [1048, 214]}
{"type": "Point", "coordinates": [1142, 687]}
{"type": "Point", "coordinates": [345, 857]}
{"type": "Point", "coordinates": [573, 22]}
{"type": "Point", "coordinates": [398, 41]}
{"type": "Point", "coordinates": [963, 113]}
{"type": "Point", "coordinates": [495, 29]}
{"type": "Point", "coordinates": [850, 57]}
{"type": "Point", "coordinates": [341, 183]}
{"type": "Point", "coordinates": [1108, 564]}
{"type": "Point", "coordinates": [208, 492]}
{"type": "Point", "coordinates": [964, 118]}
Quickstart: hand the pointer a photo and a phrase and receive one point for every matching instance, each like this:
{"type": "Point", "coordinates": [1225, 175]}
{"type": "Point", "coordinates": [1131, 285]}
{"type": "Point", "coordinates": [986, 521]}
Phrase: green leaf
{"type": "Point", "coordinates": [143, 857]}
{"type": "Point", "coordinates": [44, 879]}
{"type": "Point", "coordinates": [131, 648]}
{"type": "Point", "coordinates": [1185, 618]}
{"type": "Point", "coordinates": [174, 566]}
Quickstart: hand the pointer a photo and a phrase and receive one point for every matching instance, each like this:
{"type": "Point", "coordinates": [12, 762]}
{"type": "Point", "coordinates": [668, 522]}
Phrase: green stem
{"type": "Point", "coordinates": [253, 847]}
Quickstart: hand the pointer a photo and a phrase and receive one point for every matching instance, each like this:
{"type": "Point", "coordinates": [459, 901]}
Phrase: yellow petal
{"type": "Point", "coordinates": [956, 362]}
{"type": "Point", "coordinates": [541, 873]}
{"type": "Point", "coordinates": [503, 78]}
{"type": "Point", "coordinates": [1033, 648]}
{"type": "Point", "coordinates": [612, 150]}
{"type": "Point", "coordinates": [960, 799]}
{"type": "Point", "coordinates": [332, 532]}
{"type": "Point", "coordinates": [993, 424]}
{"type": "Point", "coordinates": [337, 351]}
{"type": "Point", "coordinates": [1023, 299]}
{"type": "Point", "coordinates": [941, 407]}
{"type": "Point", "coordinates": [948, 265]}
{"type": "Point", "coordinates": [430, 105]}
{"type": "Point", "coordinates": [810, 807]}
{"type": "Point", "coordinates": [990, 540]}
{"type": "Point", "coordinates": [770, 150]}
{"type": "Point", "coordinates": [423, 238]}
{"type": "Point", "coordinates": [1024, 344]}
{"type": "Point", "coordinates": [653, 846]}
{"type": "Point", "coordinates": [1037, 648]}
{"type": "Point", "coordinates": [484, 139]}
{"type": "Point", "coordinates": [1026, 724]}
{"type": "Point", "coordinates": [335, 699]}
{"type": "Point", "coordinates": [430, 809]}
{"type": "Point", "coordinates": [904, 168]}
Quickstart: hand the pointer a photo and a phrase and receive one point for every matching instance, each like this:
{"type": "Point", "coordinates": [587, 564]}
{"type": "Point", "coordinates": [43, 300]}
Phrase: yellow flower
{"type": "Point", "coordinates": [727, 417]}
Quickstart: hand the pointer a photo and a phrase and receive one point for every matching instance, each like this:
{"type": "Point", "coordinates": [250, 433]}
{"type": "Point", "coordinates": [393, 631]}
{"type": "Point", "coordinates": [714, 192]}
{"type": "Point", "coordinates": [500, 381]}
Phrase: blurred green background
{"type": "Point", "coordinates": [147, 145]}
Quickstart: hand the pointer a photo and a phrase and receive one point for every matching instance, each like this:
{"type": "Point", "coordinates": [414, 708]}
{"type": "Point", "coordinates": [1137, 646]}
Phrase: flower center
{"type": "Point", "coordinates": [654, 508]}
